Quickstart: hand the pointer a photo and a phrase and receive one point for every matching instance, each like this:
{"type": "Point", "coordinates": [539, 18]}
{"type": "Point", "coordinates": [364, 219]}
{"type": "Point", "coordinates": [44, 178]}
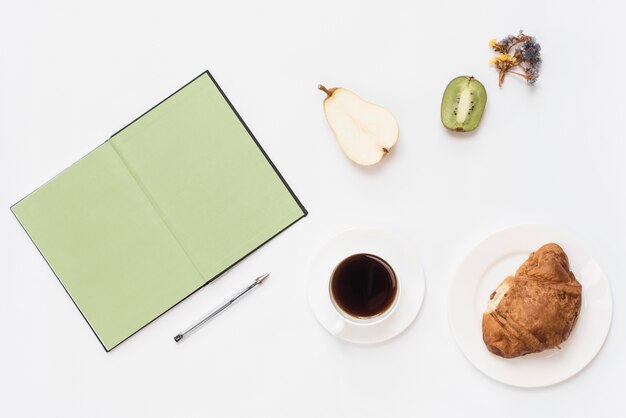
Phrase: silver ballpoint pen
{"type": "Point", "coordinates": [220, 308]}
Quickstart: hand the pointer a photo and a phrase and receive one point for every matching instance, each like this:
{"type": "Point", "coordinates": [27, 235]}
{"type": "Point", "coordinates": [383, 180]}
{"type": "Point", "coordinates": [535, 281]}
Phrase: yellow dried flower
{"type": "Point", "coordinates": [507, 57]}
{"type": "Point", "coordinates": [493, 42]}
{"type": "Point", "coordinates": [503, 58]}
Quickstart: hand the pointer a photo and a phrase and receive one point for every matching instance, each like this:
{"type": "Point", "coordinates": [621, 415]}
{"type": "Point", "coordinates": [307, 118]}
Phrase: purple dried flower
{"type": "Point", "coordinates": [507, 42]}
{"type": "Point", "coordinates": [531, 51]}
{"type": "Point", "coordinates": [532, 74]}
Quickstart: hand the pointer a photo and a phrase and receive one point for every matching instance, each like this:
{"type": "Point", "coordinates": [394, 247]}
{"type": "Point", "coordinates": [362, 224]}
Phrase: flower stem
{"type": "Point", "coordinates": [519, 74]}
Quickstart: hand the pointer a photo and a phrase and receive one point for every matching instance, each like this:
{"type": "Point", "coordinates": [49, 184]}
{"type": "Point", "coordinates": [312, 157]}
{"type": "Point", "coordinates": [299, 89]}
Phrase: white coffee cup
{"type": "Point", "coordinates": [345, 318]}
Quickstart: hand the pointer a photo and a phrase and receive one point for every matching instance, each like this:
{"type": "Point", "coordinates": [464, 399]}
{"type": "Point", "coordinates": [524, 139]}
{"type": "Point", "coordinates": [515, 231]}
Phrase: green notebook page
{"type": "Point", "coordinates": [157, 211]}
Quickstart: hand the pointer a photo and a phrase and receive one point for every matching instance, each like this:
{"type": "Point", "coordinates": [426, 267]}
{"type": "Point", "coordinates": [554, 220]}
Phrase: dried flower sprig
{"type": "Point", "coordinates": [521, 51]}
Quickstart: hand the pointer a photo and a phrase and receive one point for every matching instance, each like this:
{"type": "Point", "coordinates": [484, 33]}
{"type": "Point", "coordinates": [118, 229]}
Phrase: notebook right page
{"type": "Point", "coordinates": [209, 179]}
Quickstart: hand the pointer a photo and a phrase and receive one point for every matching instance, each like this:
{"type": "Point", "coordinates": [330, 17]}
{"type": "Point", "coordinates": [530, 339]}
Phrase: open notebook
{"type": "Point", "coordinates": [160, 209]}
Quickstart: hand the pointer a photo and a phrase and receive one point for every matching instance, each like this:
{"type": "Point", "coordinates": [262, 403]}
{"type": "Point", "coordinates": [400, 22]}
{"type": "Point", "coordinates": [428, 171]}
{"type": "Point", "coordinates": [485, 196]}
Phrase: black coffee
{"type": "Point", "coordinates": [363, 285]}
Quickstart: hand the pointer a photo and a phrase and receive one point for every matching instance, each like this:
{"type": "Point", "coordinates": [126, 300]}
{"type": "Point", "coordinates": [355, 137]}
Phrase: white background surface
{"type": "Point", "coordinates": [72, 74]}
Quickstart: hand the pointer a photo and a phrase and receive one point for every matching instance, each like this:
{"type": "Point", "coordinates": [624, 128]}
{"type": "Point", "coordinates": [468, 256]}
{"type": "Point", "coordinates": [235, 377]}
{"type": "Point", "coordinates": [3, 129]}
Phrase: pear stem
{"type": "Point", "coordinates": [324, 89]}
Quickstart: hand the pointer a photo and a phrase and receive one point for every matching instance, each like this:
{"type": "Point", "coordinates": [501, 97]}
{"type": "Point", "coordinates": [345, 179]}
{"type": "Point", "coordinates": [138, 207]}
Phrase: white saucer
{"type": "Point", "coordinates": [492, 261]}
{"type": "Point", "coordinates": [407, 268]}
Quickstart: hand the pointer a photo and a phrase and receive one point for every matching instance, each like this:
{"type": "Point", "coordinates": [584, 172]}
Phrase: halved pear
{"type": "Point", "coordinates": [365, 131]}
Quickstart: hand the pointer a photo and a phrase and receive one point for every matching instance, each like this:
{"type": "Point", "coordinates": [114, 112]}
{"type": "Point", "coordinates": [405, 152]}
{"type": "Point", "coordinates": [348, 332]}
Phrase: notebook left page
{"type": "Point", "coordinates": [107, 245]}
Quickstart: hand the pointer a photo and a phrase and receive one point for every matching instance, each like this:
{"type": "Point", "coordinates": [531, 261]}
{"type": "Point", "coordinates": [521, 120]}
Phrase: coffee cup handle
{"type": "Point", "coordinates": [338, 327]}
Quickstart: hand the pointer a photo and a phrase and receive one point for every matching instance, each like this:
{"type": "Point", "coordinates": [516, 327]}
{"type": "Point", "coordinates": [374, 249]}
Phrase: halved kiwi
{"type": "Point", "coordinates": [463, 104]}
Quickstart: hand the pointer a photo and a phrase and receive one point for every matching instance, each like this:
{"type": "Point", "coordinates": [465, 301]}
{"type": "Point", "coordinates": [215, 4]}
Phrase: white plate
{"type": "Point", "coordinates": [492, 261]}
{"type": "Point", "coordinates": [407, 268]}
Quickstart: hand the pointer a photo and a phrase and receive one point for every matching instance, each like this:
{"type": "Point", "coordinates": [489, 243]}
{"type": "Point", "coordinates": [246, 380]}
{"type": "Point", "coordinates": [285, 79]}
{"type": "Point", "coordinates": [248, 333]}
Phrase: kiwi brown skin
{"type": "Point", "coordinates": [463, 104]}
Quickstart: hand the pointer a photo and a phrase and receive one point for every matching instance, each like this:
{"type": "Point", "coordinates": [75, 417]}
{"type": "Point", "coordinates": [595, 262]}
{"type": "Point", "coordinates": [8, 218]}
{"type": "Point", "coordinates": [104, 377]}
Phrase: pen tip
{"type": "Point", "coordinates": [260, 279]}
{"type": "Point", "coordinates": [178, 338]}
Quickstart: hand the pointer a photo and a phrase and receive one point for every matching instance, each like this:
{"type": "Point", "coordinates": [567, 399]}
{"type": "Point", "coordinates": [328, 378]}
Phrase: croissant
{"type": "Point", "coordinates": [534, 310]}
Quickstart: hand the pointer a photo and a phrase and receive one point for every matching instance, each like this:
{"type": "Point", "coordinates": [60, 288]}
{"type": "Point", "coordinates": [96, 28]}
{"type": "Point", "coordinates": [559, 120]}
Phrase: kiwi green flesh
{"type": "Point", "coordinates": [463, 104]}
